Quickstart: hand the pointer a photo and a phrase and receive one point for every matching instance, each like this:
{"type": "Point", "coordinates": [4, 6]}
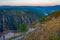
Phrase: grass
{"type": "Point", "coordinates": [50, 28]}
{"type": "Point", "coordinates": [47, 18]}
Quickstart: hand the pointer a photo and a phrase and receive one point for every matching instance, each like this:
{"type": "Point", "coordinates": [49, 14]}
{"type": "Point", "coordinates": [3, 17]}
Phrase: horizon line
{"type": "Point", "coordinates": [30, 5]}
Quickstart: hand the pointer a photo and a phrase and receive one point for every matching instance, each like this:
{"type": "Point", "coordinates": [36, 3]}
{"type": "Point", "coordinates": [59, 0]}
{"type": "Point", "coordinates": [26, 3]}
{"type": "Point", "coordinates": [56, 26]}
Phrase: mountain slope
{"type": "Point", "coordinates": [47, 17]}
{"type": "Point", "coordinates": [50, 30]}
{"type": "Point", "coordinates": [10, 19]}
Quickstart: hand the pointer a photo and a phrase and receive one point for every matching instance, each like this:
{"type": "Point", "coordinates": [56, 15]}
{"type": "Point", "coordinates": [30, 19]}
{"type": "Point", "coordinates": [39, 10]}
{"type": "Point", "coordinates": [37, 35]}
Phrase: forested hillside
{"type": "Point", "coordinates": [11, 19]}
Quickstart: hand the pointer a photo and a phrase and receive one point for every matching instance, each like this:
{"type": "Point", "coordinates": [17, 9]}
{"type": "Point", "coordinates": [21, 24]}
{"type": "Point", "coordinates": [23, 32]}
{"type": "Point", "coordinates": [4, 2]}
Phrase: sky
{"type": "Point", "coordinates": [30, 2]}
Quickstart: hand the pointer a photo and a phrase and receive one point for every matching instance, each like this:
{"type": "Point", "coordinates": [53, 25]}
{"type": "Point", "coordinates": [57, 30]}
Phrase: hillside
{"type": "Point", "coordinates": [11, 19]}
{"type": "Point", "coordinates": [47, 18]}
{"type": "Point", "coordinates": [48, 30]}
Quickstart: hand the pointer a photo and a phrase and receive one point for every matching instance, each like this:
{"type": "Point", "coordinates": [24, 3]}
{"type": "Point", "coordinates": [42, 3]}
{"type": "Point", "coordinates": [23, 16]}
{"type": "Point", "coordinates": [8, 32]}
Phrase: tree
{"type": "Point", "coordinates": [22, 26]}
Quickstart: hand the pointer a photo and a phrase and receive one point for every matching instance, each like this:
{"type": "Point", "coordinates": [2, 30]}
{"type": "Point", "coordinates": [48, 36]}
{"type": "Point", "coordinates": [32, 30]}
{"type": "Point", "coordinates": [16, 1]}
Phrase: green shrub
{"type": "Point", "coordinates": [22, 26]}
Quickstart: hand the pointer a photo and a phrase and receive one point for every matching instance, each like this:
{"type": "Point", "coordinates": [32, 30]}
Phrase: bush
{"type": "Point", "coordinates": [22, 26]}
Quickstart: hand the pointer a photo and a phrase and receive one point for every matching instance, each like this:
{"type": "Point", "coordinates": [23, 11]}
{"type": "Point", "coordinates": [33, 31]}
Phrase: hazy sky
{"type": "Point", "coordinates": [30, 2]}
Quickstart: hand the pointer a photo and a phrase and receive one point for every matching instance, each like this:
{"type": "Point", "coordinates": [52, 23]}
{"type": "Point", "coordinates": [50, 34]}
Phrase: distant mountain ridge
{"type": "Point", "coordinates": [40, 9]}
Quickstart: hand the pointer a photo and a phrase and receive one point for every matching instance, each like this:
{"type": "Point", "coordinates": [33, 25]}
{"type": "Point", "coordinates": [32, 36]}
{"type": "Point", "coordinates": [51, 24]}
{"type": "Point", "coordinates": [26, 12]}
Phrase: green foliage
{"type": "Point", "coordinates": [42, 19]}
{"type": "Point", "coordinates": [22, 26]}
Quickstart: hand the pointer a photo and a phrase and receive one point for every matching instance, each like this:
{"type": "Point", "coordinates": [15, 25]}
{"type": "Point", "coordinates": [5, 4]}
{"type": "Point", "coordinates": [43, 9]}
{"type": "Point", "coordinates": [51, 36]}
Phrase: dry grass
{"type": "Point", "coordinates": [50, 30]}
